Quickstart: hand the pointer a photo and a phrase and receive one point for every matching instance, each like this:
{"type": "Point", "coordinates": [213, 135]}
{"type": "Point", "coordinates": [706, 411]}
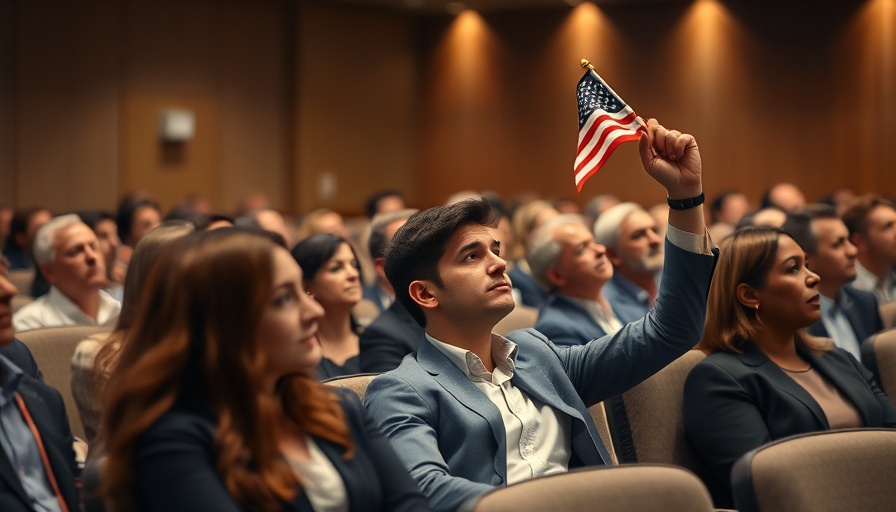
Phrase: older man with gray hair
{"type": "Point", "coordinates": [67, 252]}
{"type": "Point", "coordinates": [635, 248]}
{"type": "Point", "coordinates": [567, 262]}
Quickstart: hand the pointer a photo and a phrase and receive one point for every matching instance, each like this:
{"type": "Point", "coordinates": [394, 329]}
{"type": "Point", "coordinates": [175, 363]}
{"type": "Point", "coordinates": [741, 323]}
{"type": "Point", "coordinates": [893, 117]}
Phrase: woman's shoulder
{"type": "Point", "coordinates": [180, 424]}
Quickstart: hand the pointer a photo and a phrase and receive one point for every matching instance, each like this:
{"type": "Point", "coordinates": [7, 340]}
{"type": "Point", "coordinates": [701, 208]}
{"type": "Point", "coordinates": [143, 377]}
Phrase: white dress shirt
{"type": "Point", "coordinates": [56, 310]}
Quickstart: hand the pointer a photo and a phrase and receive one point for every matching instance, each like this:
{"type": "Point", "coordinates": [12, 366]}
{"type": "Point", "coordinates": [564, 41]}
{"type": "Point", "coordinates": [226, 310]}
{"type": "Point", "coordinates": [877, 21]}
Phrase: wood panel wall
{"type": "Point", "coordinates": [319, 104]}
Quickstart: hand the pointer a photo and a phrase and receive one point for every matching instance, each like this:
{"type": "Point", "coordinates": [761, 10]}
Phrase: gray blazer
{"type": "Point", "coordinates": [451, 437]}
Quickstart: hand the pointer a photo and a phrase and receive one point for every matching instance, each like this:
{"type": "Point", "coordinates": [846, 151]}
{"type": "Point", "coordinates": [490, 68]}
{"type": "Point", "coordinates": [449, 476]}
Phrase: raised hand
{"type": "Point", "coordinates": [672, 159]}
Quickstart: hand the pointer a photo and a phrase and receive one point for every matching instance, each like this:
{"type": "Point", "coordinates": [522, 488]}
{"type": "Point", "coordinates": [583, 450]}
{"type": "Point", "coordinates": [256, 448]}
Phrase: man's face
{"type": "Point", "coordinates": [77, 264]}
{"type": "Point", "coordinates": [107, 235]}
{"type": "Point", "coordinates": [834, 259]}
{"type": "Point", "coordinates": [734, 208]}
{"type": "Point", "coordinates": [880, 236]}
{"type": "Point", "coordinates": [639, 248]}
{"type": "Point", "coordinates": [582, 268]}
{"type": "Point", "coordinates": [474, 287]}
{"type": "Point", "coordinates": [7, 292]}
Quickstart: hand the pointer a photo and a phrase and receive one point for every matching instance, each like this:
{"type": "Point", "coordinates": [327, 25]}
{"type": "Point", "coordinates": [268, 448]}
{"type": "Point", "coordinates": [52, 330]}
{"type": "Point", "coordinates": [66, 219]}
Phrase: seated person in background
{"type": "Point", "coordinates": [786, 196]}
{"type": "Point", "coordinates": [394, 334]}
{"type": "Point", "coordinates": [16, 351]}
{"type": "Point", "coordinates": [848, 315]}
{"type": "Point", "coordinates": [96, 355]}
{"type": "Point", "coordinates": [633, 245]}
{"type": "Point", "coordinates": [726, 211]}
{"type": "Point", "coordinates": [213, 405]}
{"type": "Point", "coordinates": [566, 260]}
{"type": "Point", "coordinates": [384, 201]}
{"type": "Point", "coordinates": [268, 220]}
{"type": "Point", "coordinates": [382, 229]}
{"type": "Point", "coordinates": [871, 221]}
{"type": "Point", "coordinates": [472, 410]}
{"type": "Point", "coordinates": [319, 221]}
{"type": "Point", "coordinates": [765, 378]}
{"type": "Point", "coordinates": [37, 473]}
{"type": "Point", "coordinates": [103, 225]}
{"type": "Point", "coordinates": [22, 229]}
{"type": "Point", "coordinates": [525, 219]}
{"type": "Point", "coordinates": [137, 214]}
{"type": "Point", "coordinates": [67, 252]}
{"type": "Point", "coordinates": [333, 279]}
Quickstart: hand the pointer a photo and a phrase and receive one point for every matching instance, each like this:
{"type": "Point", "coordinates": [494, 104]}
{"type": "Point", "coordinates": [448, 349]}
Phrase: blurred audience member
{"type": "Point", "coordinates": [68, 254]}
{"type": "Point", "coordinates": [785, 196]}
{"type": "Point", "coordinates": [840, 198]}
{"type": "Point", "coordinates": [872, 228]}
{"type": "Point", "coordinates": [6, 213]}
{"type": "Point", "coordinates": [635, 248]}
{"type": "Point", "coordinates": [771, 217]}
{"type": "Point", "coordinates": [22, 229]}
{"type": "Point", "coordinates": [526, 219]}
{"type": "Point", "coordinates": [321, 220]}
{"type": "Point", "coordinates": [725, 212]}
{"type": "Point", "coordinates": [565, 205]}
{"type": "Point", "coordinates": [104, 227]}
{"type": "Point", "coordinates": [252, 202]}
{"type": "Point", "coordinates": [333, 278]}
{"type": "Point", "coordinates": [384, 201]}
{"type": "Point", "coordinates": [382, 229]}
{"type": "Point", "coordinates": [268, 220]}
{"type": "Point", "coordinates": [599, 205]}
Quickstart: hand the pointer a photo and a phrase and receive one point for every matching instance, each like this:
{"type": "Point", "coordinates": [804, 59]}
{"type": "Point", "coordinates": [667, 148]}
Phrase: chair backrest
{"type": "Point", "coordinates": [357, 382]}
{"type": "Point", "coordinates": [53, 348]}
{"type": "Point", "coordinates": [879, 356]}
{"type": "Point", "coordinates": [888, 314]}
{"type": "Point", "coordinates": [599, 415]}
{"type": "Point", "coordinates": [627, 488]}
{"type": "Point", "coordinates": [19, 300]}
{"type": "Point", "coordinates": [522, 317]}
{"type": "Point", "coordinates": [22, 279]}
{"type": "Point", "coordinates": [827, 470]}
{"type": "Point", "coordinates": [647, 421]}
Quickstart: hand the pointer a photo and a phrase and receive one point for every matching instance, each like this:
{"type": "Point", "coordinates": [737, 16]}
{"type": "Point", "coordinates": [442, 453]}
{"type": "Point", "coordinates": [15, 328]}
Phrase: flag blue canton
{"type": "Point", "coordinates": [593, 96]}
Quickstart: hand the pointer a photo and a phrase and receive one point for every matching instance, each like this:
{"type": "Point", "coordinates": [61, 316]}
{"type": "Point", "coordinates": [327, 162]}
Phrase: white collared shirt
{"type": "Point", "coordinates": [56, 310]}
{"type": "Point", "coordinates": [537, 436]}
{"type": "Point", "coordinates": [838, 326]}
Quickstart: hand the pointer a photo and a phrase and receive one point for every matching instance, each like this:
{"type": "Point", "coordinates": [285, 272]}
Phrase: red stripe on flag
{"type": "Point", "coordinates": [600, 144]}
{"type": "Point", "coordinates": [588, 135]}
{"type": "Point", "coordinates": [610, 149]}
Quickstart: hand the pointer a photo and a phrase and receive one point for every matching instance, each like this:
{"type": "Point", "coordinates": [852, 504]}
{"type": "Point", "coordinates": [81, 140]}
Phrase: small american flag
{"type": "Point", "coordinates": [605, 121]}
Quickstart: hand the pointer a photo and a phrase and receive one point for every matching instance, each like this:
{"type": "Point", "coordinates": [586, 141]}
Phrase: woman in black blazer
{"type": "Point", "coordinates": [213, 405]}
{"type": "Point", "coordinates": [764, 377]}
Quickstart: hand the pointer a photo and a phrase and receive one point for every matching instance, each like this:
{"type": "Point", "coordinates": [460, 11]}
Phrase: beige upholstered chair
{"type": "Point", "coordinates": [522, 317]}
{"type": "Point", "coordinates": [357, 382]}
{"type": "Point", "coordinates": [53, 349]}
{"type": "Point", "coordinates": [22, 279]}
{"type": "Point", "coordinates": [20, 300]}
{"type": "Point", "coordinates": [627, 488]}
{"type": "Point", "coordinates": [647, 421]}
{"type": "Point", "coordinates": [820, 471]}
{"type": "Point", "coordinates": [888, 314]}
{"type": "Point", "coordinates": [599, 415]}
{"type": "Point", "coordinates": [879, 356]}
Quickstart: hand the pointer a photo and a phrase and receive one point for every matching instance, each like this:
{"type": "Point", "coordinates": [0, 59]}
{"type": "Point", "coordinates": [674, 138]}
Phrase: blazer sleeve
{"type": "Point", "coordinates": [406, 419]}
{"type": "Point", "coordinates": [721, 419]}
{"type": "Point", "coordinates": [176, 469]}
{"type": "Point", "coordinates": [399, 491]}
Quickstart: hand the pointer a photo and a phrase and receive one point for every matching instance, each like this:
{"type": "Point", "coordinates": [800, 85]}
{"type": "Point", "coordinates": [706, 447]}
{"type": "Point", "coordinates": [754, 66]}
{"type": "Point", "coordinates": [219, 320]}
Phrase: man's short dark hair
{"type": "Point", "coordinates": [418, 246]}
{"type": "Point", "coordinates": [798, 224]}
{"type": "Point", "coordinates": [856, 216]}
{"type": "Point", "coordinates": [377, 242]}
{"type": "Point", "coordinates": [373, 202]}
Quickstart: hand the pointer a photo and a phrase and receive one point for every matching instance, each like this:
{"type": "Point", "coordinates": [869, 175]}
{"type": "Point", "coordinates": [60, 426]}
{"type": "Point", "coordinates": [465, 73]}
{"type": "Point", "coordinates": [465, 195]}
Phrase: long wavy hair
{"type": "Point", "coordinates": [193, 343]}
{"type": "Point", "coordinates": [746, 256]}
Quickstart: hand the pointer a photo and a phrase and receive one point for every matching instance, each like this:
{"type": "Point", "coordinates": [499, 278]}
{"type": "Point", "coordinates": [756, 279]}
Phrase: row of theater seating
{"type": "Point", "coordinates": [642, 426]}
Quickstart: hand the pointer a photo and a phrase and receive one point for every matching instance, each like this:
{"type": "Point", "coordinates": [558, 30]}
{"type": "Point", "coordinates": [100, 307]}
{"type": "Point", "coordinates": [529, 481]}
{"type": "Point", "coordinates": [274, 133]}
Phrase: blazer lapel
{"type": "Point", "coordinates": [754, 357]}
{"type": "Point", "coordinates": [456, 383]}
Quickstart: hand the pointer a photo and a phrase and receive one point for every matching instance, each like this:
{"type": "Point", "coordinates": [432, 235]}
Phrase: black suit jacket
{"type": "Point", "coordinates": [385, 342]}
{"type": "Point", "coordinates": [175, 465]}
{"type": "Point", "coordinates": [862, 312]}
{"type": "Point", "coordinates": [48, 412]}
{"type": "Point", "coordinates": [734, 403]}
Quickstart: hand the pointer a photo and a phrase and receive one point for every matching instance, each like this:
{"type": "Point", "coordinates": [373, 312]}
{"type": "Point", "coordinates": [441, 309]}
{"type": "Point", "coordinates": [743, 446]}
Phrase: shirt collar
{"type": "Point", "coordinates": [504, 353]}
{"type": "Point", "coordinates": [630, 288]}
{"type": "Point", "coordinates": [10, 376]}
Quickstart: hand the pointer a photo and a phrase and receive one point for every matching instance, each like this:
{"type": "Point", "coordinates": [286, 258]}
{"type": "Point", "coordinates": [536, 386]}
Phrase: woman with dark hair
{"type": "Point", "coordinates": [764, 377]}
{"type": "Point", "coordinates": [333, 278]}
{"type": "Point", "coordinates": [213, 406]}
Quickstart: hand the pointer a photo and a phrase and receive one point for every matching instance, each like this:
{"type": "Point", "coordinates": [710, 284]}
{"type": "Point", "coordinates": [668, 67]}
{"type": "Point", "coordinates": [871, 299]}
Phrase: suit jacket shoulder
{"type": "Point", "coordinates": [565, 323]}
{"type": "Point", "coordinates": [385, 342]}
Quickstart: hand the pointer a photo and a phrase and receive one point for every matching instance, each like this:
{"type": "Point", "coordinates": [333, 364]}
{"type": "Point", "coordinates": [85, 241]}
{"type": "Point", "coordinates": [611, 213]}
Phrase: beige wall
{"type": "Point", "coordinates": [291, 96]}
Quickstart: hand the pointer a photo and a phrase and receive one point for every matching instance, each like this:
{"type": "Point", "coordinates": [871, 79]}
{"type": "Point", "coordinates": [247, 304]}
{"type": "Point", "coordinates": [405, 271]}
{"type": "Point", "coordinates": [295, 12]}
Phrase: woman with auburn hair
{"type": "Point", "coordinates": [333, 278]}
{"type": "Point", "coordinates": [764, 377]}
{"type": "Point", "coordinates": [213, 407]}
{"type": "Point", "coordinates": [95, 355]}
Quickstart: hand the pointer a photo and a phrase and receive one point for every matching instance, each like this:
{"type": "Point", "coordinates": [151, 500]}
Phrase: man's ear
{"type": "Point", "coordinates": [47, 270]}
{"type": "Point", "coordinates": [555, 278]}
{"type": "Point", "coordinates": [747, 296]}
{"type": "Point", "coordinates": [421, 293]}
{"type": "Point", "coordinates": [858, 240]}
{"type": "Point", "coordinates": [379, 264]}
{"type": "Point", "coordinates": [613, 257]}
